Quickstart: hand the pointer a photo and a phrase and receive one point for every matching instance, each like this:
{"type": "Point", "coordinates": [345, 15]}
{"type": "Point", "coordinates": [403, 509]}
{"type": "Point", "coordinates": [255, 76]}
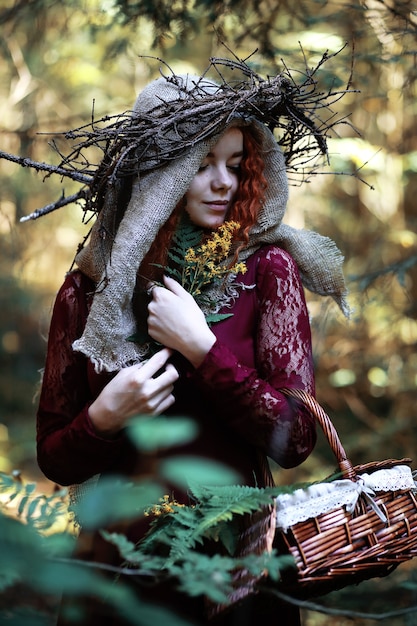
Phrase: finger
{"type": "Point", "coordinates": [149, 288]}
{"type": "Point", "coordinates": [175, 287]}
{"type": "Point", "coordinates": [155, 405]}
{"type": "Point", "coordinates": [169, 401]}
{"type": "Point", "coordinates": [164, 404]}
{"type": "Point", "coordinates": [157, 397]}
{"type": "Point", "coordinates": [157, 294]}
{"type": "Point", "coordinates": [155, 363]}
{"type": "Point", "coordinates": [168, 376]}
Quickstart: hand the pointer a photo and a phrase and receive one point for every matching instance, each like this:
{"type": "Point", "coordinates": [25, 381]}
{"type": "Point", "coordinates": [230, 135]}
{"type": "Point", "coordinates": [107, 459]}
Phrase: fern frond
{"type": "Point", "coordinates": [38, 510]}
{"type": "Point", "coordinates": [187, 235]}
{"type": "Point", "coordinates": [212, 318]}
{"type": "Point", "coordinates": [229, 501]}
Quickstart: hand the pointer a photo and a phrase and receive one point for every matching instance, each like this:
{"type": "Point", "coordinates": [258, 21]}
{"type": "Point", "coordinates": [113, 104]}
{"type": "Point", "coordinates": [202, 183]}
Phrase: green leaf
{"type": "Point", "coordinates": [126, 548]}
{"type": "Point", "coordinates": [173, 273]}
{"type": "Point", "coordinates": [24, 617]}
{"type": "Point", "coordinates": [21, 550]}
{"type": "Point", "coordinates": [187, 235]}
{"type": "Point", "coordinates": [22, 505]}
{"type": "Point", "coordinates": [32, 508]}
{"type": "Point", "coordinates": [152, 433]}
{"type": "Point", "coordinates": [212, 318]}
{"type": "Point", "coordinates": [175, 258]}
{"type": "Point", "coordinates": [225, 532]}
{"type": "Point", "coordinates": [203, 575]}
{"type": "Point", "coordinates": [184, 470]}
{"type": "Point", "coordinates": [8, 577]}
{"type": "Point", "coordinates": [113, 499]}
{"type": "Point", "coordinates": [8, 482]}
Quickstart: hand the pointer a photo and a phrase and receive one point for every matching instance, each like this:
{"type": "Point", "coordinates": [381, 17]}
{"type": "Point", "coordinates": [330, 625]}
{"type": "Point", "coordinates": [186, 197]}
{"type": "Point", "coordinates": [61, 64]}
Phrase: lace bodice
{"type": "Point", "coordinates": [234, 395]}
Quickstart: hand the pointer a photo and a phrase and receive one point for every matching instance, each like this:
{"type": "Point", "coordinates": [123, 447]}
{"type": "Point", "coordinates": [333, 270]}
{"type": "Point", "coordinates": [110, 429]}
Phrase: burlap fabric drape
{"type": "Point", "coordinates": [155, 195]}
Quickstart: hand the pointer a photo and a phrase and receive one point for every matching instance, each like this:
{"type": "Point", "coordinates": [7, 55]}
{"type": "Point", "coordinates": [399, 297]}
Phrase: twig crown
{"type": "Point", "coordinates": [130, 144]}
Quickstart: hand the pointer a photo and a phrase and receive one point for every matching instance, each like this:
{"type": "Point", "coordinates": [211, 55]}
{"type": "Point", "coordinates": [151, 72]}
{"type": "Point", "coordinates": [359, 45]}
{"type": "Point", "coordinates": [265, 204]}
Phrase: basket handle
{"type": "Point", "coordinates": [327, 426]}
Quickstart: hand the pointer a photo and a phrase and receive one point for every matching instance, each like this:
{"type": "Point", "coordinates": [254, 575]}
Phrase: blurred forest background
{"type": "Point", "coordinates": [59, 60]}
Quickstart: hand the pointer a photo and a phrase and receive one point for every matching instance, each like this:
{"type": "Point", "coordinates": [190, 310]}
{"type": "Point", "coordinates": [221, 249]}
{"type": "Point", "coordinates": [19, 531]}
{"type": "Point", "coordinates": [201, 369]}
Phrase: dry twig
{"type": "Point", "coordinates": [130, 145]}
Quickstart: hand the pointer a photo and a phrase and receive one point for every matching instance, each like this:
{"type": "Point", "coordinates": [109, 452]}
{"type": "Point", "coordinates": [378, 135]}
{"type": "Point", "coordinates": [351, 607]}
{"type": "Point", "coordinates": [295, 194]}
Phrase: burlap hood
{"type": "Point", "coordinates": [114, 265]}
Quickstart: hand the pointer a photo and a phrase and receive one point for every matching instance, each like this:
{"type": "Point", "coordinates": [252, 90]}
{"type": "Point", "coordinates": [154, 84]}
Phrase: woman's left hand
{"type": "Point", "coordinates": [176, 321]}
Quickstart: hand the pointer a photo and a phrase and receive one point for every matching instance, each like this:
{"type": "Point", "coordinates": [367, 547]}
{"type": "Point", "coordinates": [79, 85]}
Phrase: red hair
{"type": "Point", "coordinates": [250, 195]}
{"type": "Point", "coordinates": [248, 201]}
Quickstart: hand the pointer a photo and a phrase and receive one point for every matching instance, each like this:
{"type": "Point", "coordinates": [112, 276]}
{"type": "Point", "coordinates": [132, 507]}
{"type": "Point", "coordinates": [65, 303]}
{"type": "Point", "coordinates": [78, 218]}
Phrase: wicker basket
{"type": "Point", "coordinates": [336, 548]}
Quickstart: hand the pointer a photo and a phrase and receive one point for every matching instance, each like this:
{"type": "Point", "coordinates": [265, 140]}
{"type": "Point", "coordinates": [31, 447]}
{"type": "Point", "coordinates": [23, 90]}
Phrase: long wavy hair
{"type": "Point", "coordinates": [247, 203]}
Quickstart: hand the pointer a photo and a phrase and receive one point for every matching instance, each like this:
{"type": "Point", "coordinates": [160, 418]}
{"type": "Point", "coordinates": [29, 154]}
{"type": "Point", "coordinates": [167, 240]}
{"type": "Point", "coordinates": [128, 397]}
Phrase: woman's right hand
{"type": "Point", "coordinates": [134, 391]}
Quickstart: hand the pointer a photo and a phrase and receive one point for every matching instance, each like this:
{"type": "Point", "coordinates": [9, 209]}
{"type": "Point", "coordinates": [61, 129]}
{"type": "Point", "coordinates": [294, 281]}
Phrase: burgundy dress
{"type": "Point", "coordinates": [234, 395]}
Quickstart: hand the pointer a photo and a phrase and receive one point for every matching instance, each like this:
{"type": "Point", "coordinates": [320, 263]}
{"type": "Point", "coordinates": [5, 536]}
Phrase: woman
{"type": "Point", "coordinates": [227, 375]}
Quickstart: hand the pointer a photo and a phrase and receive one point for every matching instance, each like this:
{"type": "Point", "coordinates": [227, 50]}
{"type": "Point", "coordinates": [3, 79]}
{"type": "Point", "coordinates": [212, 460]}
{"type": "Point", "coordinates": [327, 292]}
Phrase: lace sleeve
{"type": "Point", "coordinates": [68, 449]}
{"type": "Point", "coordinates": [284, 353]}
{"type": "Point", "coordinates": [249, 397]}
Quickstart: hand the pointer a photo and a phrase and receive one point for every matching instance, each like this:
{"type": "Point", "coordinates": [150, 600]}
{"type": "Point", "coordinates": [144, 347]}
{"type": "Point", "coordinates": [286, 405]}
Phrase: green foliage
{"type": "Point", "coordinates": [38, 510]}
{"type": "Point", "coordinates": [160, 432]}
{"type": "Point", "coordinates": [272, 27]}
{"type": "Point", "coordinates": [180, 469]}
{"type": "Point", "coordinates": [33, 542]}
{"type": "Point", "coordinates": [186, 236]}
{"type": "Point", "coordinates": [197, 262]}
{"type": "Point", "coordinates": [113, 499]}
{"type": "Point", "coordinates": [186, 526]}
{"type": "Point", "coordinates": [42, 563]}
{"type": "Point", "coordinates": [171, 548]}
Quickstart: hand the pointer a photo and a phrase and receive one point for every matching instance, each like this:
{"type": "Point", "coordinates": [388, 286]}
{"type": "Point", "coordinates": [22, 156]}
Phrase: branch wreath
{"type": "Point", "coordinates": [130, 144]}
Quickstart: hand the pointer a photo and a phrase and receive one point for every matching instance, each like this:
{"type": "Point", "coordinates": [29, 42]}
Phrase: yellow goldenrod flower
{"type": "Point", "coordinates": [209, 262]}
{"type": "Point", "coordinates": [165, 507]}
{"type": "Point", "coordinates": [190, 256]}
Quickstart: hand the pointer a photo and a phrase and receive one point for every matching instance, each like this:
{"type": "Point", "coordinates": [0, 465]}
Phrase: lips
{"type": "Point", "coordinates": [217, 205]}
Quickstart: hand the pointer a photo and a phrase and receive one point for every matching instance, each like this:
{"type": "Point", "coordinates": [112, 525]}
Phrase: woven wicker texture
{"type": "Point", "coordinates": [337, 548]}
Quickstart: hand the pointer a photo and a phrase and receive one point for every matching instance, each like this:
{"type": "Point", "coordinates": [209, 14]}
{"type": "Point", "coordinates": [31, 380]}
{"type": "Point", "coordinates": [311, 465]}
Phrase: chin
{"type": "Point", "coordinates": [213, 223]}
{"type": "Point", "coordinates": [209, 222]}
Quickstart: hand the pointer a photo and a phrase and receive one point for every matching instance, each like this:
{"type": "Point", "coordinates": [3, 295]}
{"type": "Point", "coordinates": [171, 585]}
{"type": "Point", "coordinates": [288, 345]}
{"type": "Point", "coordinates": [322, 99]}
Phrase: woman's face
{"type": "Point", "coordinates": [214, 187]}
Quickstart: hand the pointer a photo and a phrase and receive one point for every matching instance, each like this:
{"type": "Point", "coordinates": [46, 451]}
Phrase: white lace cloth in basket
{"type": "Point", "coordinates": [303, 504]}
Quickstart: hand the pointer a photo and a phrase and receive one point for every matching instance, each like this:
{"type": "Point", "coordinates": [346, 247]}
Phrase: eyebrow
{"type": "Point", "coordinates": [233, 156]}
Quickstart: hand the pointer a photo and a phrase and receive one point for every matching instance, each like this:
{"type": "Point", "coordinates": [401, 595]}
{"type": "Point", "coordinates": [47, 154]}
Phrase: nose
{"type": "Point", "coordinates": [222, 178]}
